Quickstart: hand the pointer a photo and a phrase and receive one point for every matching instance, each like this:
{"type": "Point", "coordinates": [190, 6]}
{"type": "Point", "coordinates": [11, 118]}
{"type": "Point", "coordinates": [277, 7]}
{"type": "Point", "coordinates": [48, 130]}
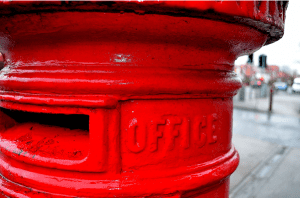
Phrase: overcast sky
{"type": "Point", "coordinates": [286, 51]}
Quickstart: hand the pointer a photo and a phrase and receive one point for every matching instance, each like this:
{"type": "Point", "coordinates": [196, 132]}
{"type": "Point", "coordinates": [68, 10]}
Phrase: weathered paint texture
{"type": "Point", "coordinates": [123, 99]}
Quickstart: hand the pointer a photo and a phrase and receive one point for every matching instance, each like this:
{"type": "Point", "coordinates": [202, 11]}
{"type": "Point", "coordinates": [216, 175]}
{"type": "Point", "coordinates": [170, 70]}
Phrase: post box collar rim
{"type": "Point", "coordinates": [265, 16]}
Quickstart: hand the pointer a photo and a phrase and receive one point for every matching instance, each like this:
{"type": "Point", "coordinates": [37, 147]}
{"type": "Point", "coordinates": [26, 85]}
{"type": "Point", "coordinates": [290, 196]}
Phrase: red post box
{"type": "Point", "coordinates": [124, 99]}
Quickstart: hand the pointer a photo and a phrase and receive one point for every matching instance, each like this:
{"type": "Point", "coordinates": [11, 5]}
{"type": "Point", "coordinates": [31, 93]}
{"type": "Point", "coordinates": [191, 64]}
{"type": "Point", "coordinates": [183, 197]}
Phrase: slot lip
{"type": "Point", "coordinates": [47, 162]}
{"type": "Point", "coordinates": [45, 145]}
{"type": "Point", "coordinates": [87, 101]}
{"type": "Point", "coordinates": [87, 164]}
{"type": "Point", "coordinates": [44, 108]}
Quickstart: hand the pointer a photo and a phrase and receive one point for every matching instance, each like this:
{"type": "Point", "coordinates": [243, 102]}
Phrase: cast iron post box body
{"type": "Point", "coordinates": [124, 99]}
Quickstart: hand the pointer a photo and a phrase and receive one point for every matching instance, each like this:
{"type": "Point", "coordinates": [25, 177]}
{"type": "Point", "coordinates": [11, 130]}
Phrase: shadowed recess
{"type": "Point", "coordinates": [72, 121]}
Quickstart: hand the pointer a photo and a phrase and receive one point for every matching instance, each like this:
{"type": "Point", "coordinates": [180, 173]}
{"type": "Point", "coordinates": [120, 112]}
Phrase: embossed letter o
{"type": "Point", "coordinates": [136, 137]}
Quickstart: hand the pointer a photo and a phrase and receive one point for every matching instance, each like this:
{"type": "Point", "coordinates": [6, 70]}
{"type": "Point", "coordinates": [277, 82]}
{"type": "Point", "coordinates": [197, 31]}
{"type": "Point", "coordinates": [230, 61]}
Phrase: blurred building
{"type": "Point", "coordinates": [272, 73]}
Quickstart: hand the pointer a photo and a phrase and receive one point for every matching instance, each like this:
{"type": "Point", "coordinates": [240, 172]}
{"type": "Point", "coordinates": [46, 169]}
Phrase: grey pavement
{"type": "Point", "coordinates": [252, 152]}
{"type": "Point", "coordinates": [285, 182]}
{"type": "Point", "coordinates": [269, 148]}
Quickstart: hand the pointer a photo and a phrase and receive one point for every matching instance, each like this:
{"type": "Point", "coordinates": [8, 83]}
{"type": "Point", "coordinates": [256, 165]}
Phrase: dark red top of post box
{"type": "Point", "coordinates": [266, 16]}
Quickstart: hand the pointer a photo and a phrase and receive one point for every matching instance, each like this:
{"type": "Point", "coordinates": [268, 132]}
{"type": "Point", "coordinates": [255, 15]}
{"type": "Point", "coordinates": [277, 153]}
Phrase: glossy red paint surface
{"type": "Point", "coordinates": [98, 102]}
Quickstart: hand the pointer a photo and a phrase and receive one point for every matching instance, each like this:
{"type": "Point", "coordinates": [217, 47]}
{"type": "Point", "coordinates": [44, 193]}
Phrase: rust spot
{"type": "Point", "coordinates": [24, 138]}
{"type": "Point", "coordinates": [75, 154]}
{"type": "Point", "coordinates": [51, 141]}
{"type": "Point", "coordinates": [38, 146]}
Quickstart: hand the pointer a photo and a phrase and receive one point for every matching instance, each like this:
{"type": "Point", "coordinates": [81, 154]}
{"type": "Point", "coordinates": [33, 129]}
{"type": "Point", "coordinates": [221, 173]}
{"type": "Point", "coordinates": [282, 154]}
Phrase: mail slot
{"type": "Point", "coordinates": [124, 99]}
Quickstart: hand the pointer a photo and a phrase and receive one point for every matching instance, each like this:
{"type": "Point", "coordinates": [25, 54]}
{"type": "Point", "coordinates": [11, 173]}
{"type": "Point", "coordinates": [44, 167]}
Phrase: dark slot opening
{"type": "Point", "coordinates": [1, 61]}
{"type": "Point", "coordinates": [72, 121]}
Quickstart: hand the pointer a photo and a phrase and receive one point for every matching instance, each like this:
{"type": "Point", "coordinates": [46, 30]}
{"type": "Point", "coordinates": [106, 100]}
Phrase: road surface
{"type": "Point", "coordinates": [269, 148]}
{"type": "Point", "coordinates": [275, 128]}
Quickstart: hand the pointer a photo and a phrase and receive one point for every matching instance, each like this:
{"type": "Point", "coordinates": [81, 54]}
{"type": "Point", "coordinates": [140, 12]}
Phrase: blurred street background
{"type": "Point", "coordinates": [266, 131]}
{"type": "Point", "coordinates": [268, 144]}
{"type": "Point", "coordinates": [266, 117]}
